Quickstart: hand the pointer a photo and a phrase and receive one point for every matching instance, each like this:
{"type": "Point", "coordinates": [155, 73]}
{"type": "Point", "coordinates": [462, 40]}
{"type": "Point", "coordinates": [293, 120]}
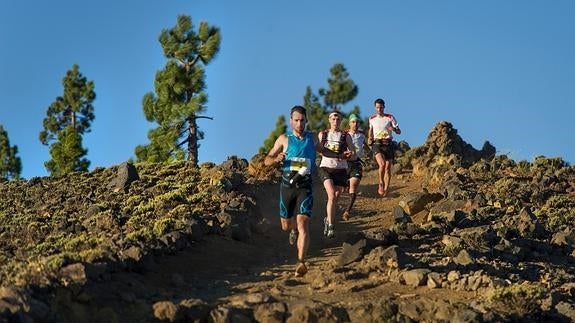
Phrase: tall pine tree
{"type": "Point", "coordinates": [10, 164]}
{"type": "Point", "coordinates": [179, 95]}
{"type": "Point", "coordinates": [316, 112]}
{"type": "Point", "coordinates": [280, 128]}
{"type": "Point", "coordinates": [67, 119]}
{"type": "Point", "coordinates": [341, 89]}
{"type": "Point", "coordinates": [67, 153]}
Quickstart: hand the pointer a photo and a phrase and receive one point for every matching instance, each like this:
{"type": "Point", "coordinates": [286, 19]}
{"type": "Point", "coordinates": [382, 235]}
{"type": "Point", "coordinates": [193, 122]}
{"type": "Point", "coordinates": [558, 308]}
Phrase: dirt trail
{"type": "Point", "coordinates": [220, 269]}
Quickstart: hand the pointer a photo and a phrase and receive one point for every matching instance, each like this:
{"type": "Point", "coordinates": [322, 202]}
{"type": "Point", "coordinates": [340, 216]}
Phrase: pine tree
{"type": "Point", "coordinates": [341, 89]}
{"type": "Point", "coordinates": [280, 128]}
{"type": "Point", "coordinates": [316, 113]}
{"type": "Point", "coordinates": [10, 164]}
{"type": "Point", "coordinates": [67, 153]}
{"type": "Point", "coordinates": [68, 118]}
{"type": "Point", "coordinates": [179, 95]}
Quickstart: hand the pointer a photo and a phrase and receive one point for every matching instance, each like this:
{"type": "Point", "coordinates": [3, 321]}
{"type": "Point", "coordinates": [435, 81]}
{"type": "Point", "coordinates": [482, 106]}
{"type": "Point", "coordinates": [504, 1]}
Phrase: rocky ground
{"type": "Point", "coordinates": [463, 236]}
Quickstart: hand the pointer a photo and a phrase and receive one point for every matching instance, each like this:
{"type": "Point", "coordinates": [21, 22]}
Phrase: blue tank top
{"type": "Point", "coordinates": [300, 153]}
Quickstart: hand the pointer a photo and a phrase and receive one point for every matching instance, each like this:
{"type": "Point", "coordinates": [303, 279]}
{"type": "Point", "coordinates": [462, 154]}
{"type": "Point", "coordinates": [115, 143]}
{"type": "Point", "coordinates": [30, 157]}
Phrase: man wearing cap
{"type": "Point", "coordinates": [336, 147]}
{"type": "Point", "coordinates": [355, 168]}
{"type": "Point", "coordinates": [381, 128]}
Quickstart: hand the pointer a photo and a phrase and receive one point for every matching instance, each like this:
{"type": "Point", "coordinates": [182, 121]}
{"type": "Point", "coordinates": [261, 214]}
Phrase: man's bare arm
{"type": "Point", "coordinates": [276, 154]}
{"type": "Point", "coordinates": [350, 147]}
{"type": "Point", "coordinates": [370, 136]}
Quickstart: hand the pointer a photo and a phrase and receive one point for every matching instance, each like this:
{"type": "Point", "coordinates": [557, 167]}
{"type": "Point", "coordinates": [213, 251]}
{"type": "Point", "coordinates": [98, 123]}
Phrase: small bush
{"type": "Point", "coordinates": [518, 300]}
{"type": "Point", "coordinates": [559, 211]}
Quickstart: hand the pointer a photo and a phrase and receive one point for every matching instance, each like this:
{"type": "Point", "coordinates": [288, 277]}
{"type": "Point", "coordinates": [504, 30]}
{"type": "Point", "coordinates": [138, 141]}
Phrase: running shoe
{"type": "Point", "coordinates": [330, 231]}
{"type": "Point", "coordinates": [300, 269]}
{"type": "Point", "coordinates": [325, 226]}
{"type": "Point", "coordinates": [345, 216]}
{"type": "Point", "coordinates": [293, 237]}
{"type": "Point", "coordinates": [380, 190]}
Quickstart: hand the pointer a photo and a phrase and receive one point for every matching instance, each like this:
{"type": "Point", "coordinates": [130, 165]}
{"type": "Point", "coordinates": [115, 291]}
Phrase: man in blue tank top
{"type": "Point", "coordinates": [296, 152]}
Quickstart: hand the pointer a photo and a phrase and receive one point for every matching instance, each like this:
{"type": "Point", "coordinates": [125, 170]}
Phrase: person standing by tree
{"type": "Point", "coordinates": [381, 128]}
{"type": "Point", "coordinates": [355, 168]}
{"type": "Point", "coordinates": [296, 152]}
{"type": "Point", "coordinates": [336, 148]}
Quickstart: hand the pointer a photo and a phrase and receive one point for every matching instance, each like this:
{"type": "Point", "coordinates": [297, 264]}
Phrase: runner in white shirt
{"type": "Point", "coordinates": [381, 128]}
{"type": "Point", "coordinates": [336, 148]}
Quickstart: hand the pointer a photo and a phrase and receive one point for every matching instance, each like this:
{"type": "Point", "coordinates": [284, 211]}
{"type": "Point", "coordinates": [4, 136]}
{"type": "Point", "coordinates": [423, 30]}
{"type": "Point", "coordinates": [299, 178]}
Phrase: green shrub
{"type": "Point", "coordinates": [518, 300]}
{"type": "Point", "coordinates": [163, 226]}
{"type": "Point", "coordinates": [141, 235]}
{"type": "Point", "coordinates": [55, 262]}
{"type": "Point", "coordinates": [559, 211]}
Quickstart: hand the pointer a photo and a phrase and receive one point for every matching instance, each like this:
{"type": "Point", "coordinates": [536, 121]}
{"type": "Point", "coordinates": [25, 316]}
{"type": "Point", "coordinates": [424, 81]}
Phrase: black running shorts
{"type": "Point", "coordinates": [337, 175]}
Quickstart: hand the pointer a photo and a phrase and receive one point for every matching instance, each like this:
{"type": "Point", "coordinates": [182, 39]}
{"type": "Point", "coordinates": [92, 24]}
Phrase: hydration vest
{"type": "Point", "coordinates": [342, 141]}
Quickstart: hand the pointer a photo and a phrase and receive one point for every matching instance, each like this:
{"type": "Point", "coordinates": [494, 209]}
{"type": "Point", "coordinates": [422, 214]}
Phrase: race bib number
{"type": "Point", "coordinates": [297, 163]}
{"type": "Point", "coordinates": [332, 146]}
{"type": "Point", "coordinates": [382, 135]}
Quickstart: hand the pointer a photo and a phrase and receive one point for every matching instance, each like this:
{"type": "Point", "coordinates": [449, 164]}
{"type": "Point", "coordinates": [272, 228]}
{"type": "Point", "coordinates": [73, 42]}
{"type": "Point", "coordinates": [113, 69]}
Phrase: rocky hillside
{"type": "Point", "coordinates": [464, 235]}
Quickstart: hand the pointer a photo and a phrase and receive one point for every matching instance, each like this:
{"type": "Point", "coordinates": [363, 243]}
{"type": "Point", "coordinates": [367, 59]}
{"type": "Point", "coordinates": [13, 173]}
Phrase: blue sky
{"type": "Point", "coordinates": [502, 71]}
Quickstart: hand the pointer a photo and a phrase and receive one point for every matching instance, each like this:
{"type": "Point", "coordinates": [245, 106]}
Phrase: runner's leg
{"type": "Point", "coordinates": [330, 190]}
{"type": "Point", "coordinates": [387, 175]}
{"type": "Point", "coordinates": [380, 172]}
{"type": "Point", "coordinates": [303, 238]}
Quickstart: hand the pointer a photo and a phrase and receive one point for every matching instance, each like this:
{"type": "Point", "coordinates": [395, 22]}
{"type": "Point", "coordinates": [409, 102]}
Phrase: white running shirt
{"type": "Point", "coordinates": [383, 126]}
{"type": "Point", "coordinates": [333, 143]}
{"type": "Point", "coordinates": [358, 139]}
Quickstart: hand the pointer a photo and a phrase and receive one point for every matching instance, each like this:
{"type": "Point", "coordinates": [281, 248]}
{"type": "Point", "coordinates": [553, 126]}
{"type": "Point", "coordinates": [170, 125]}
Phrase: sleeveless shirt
{"type": "Point", "coordinates": [300, 153]}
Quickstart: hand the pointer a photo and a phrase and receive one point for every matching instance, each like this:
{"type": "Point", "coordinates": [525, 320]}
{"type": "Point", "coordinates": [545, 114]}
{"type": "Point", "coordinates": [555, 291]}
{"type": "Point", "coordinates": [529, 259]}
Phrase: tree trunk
{"type": "Point", "coordinates": [193, 141]}
{"type": "Point", "coordinates": [74, 120]}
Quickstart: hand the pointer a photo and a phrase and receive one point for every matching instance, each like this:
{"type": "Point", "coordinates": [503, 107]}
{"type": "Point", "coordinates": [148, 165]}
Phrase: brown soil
{"type": "Point", "coordinates": [221, 270]}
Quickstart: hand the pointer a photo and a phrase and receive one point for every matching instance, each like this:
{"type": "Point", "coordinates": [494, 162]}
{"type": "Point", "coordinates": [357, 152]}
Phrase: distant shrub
{"type": "Point", "coordinates": [552, 164]}
{"type": "Point", "coordinates": [524, 167]}
{"type": "Point", "coordinates": [518, 300]}
{"type": "Point", "coordinates": [559, 211]}
{"type": "Point", "coordinates": [142, 235]}
{"type": "Point", "coordinates": [506, 187]}
{"type": "Point", "coordinates": [166, 225]}
{"type": "Point", "coordinates": [55, 262]}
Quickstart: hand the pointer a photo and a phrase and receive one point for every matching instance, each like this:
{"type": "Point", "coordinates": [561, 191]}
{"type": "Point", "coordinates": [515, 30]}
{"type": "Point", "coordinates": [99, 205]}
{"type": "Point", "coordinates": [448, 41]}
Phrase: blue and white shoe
{"type": "Point", "coordinates": [330, 231]}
